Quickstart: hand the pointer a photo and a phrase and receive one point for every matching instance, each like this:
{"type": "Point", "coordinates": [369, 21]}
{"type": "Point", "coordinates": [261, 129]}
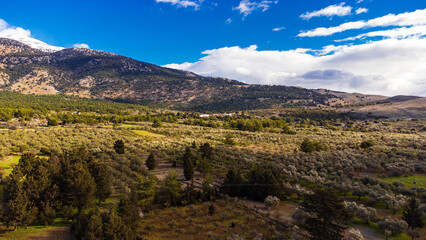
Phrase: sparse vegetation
{"type": "Point", "coordinates": [182, 171]}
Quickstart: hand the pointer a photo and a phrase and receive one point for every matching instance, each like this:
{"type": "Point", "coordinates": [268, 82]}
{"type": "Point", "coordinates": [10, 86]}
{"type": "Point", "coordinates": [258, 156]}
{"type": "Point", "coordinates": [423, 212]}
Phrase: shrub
{"type": "Point", "coordinates": [52, 122]}
{"type": "Point", "coordinates": [355, 234]}
{"type": "Point", "coordinates": [367, 144]}
{"type": "Point", "coordinates": [308, 146]}
{"type": "Point", "coordinates": [392, 225]}
{"type": "Point", "coordinates": [272, 201]}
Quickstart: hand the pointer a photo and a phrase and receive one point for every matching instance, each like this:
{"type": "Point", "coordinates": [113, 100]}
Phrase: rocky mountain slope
{"type": "Point", "coordinates": [95, 74]}
{"type": "Point", "coordinates": [102, 75]}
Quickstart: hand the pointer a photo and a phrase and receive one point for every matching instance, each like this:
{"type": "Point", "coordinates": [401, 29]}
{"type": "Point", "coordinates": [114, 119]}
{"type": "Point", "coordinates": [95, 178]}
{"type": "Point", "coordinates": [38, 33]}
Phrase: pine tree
{"type": "Point", "coordinates": [146, 191]}
{"type": "Point", "coordinates": [206, 151]}
{"type": "Point", "coordinates": [114, 227]}
{"type": "Point", "coordinates": [103, 180]}
{"type": "Point", "coordinates": [208, 188]}
{"type": "Point", "coordinates": [264, 181]}
{"type": "Point", "coordinates": [151, 162]}
{"type": "Point", "coordinates": [204, 167]}
{"type": "Point", "coordinates": [42, 190]}
{"type": "Point", "coordinates": [128, 210]}
{"type": "Point", "coordinates": [188, 167]}
{"type": "Point", "coordinates": [19, 209]}
{"type": "Point", "coordinates": [119, 146]}
{"type": "Point", "coordinates": [232, 183]}
{"type": "Point", "coordinates": [412, 214]}
{"type": "Point", "coordinates": [328, 214]}
{"type": "Point", "coordinates": [79, 225]}
{"type": "Point", "coordinates": [170, 192]}
{"type": "Point", "coordinates": [77, 184]}
{"type": "Point", "coordinates": [94, 228]}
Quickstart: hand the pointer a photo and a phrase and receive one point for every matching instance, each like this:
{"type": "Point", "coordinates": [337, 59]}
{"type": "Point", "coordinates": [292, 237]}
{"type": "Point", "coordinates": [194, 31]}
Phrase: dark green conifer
{"type": "Point", "coordinates": [188, 167]}
{"type": "Point", "coordinates": [119, 146]}
{"type": "Point", "coordinates": [412, 214]}
{"type": "Point", "coordinates": [151, 162]}
{"type": "Point", "coordinates": [327, 215]}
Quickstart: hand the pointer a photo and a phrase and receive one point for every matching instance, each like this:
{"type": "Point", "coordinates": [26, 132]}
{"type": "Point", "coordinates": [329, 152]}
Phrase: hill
{"type": "Point", "coordinates": [102, 75]}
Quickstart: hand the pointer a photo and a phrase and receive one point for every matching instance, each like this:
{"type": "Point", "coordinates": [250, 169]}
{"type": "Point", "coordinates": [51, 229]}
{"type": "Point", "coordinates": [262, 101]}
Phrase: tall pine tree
{"type": "Point", "coordinates": [327, 215]}
{"type": "Point", "coordinates": [151, 162]}
{"type": "Point", "coordinates": [103, 181]}
{"type": "Point", "coordinates": [188, 164]}
{"type": "Point", "coordinates": [412, 214]}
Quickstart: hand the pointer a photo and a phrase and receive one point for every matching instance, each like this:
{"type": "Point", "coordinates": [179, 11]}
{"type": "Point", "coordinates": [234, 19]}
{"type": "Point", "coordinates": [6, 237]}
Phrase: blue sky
{"type": "Point", "coordinates": [178, 32]}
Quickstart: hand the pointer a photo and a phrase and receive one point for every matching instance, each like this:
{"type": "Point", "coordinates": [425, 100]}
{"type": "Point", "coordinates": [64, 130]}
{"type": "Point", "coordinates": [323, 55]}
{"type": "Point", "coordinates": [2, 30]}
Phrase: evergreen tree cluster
{"type": "Point", "coordinates": [262, 181]}
{"type": "Point", "coordinates": [38, 188]}
{"type": "Point", "coordinates": [117, 224]}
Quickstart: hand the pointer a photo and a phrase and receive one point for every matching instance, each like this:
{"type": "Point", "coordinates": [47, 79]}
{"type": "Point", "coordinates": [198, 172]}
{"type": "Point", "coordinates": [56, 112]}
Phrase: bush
{"type": "Point", "coordinates": [272, 201]}
{"type": "Point", "coordinates": [367, 144]}
{"type": "Point", "coordinates": [355, 234]}
{"type": "Point", "coordinates": [395, 226]}
{"type": "Point", "coordinates": [156, 123]}
{"type": "Point", "coordinates": [308, 146]}
{"type": "Point", "coordinates": [52, 122]}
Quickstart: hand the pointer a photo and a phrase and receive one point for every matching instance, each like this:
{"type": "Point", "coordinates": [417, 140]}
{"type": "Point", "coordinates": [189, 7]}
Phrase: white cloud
{"type": "Point", "coordinates": [417, 17]}
{"type": "Point", "coordinates": [182, 3]}
{"type": "Point", "coordinates": [246, 7]}
{"type": "Point", "coordinates": [3, 24]}
{"type": "Point", "coordinates": [277, 29]}
{"type": "Point", "coordinates": [398, 33]}
{"type": "Point", "coordinates": [361, 10]}
{"type": "Point", "coordinates": [359, 1]}
{"type": "Point", "coordinates": [330, 11]}
{"type": "Point", "coordinates": [24, 36]}
{"type": "Point", "coordinates": [228, 21]}
{"type": "Point", "coordinates": [388, 67]}
{"type": "Point", "coordinates": [81, 45]}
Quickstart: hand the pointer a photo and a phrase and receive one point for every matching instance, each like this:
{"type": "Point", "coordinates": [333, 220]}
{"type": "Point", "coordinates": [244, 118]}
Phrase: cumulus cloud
{"type": "Point", "coordinates": [361, 10]}
{"type": "Point", "coordinates": [277, 29]}
{"type": "Point", "coordinates": [182, 3]}
{"type": "Point", "coordinates": [417, 17]}
{"type": "Point", "coordinates": [24, 36]}
{"type": "Point", "coordinates": [246, 7]}
{"type": "Point", "coordinates": [330, 11]}
{"type": "Point", "coordinates": [388, 67]}
{"type": "Point", "coordinates": [81, 45]}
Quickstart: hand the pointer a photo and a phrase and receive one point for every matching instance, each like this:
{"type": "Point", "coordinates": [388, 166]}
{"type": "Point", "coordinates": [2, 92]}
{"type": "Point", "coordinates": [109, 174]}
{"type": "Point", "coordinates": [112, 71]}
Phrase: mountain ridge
{"type": "Point", "coordinates": [103, 75]}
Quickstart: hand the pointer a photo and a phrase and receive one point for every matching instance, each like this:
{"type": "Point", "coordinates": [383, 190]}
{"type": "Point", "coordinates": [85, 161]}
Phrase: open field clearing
{"type": "Point", "coordinates": [58, 230]}
{"type": "Point", "coordinates": [8, 162]}
{"type": "Point", "coordinates": [409, 181]}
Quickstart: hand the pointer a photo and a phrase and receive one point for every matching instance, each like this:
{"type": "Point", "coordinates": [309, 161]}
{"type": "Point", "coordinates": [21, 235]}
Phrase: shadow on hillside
{"type": "Point", "coordinates": [59, 233]}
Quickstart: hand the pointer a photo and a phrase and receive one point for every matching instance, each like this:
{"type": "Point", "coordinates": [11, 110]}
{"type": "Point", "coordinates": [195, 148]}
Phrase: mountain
{"type": "Point", "coordinates": [25, 38]}
{"type": "Point", "coordinates": [96, 74]}
{"type": "Point", "coordinates": [102, 75]}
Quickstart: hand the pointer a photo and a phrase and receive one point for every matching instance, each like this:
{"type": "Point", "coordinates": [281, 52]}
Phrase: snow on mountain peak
{"type": "Point", "coordinates": [24, 36]}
